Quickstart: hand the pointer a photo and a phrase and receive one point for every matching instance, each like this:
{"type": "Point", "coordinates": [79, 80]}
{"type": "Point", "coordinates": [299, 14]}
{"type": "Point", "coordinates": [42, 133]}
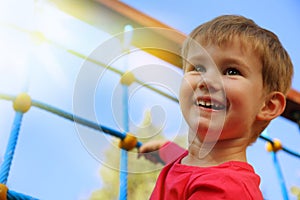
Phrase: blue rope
{"type": "Point", "coordinates": [11, 195]}
{"type": "Point", "coordinates": [293, 153]}
{"type": "Point", "coordinates": [123, 175]}
{"type": "Point", "coordinates": [11, 146]}
{"type": "Point", "coordinates": [124, 156]}
{"type": "Point", "coordinates": [4, 170]}
{"type": "Point", "coordinates": [82, 121]}
{"type": "Point", "coordinates": [79, 120]}
{"type": "Point", "coordinates": [105, 129]}
{"type": "Point", "coordinates": [280, 176]}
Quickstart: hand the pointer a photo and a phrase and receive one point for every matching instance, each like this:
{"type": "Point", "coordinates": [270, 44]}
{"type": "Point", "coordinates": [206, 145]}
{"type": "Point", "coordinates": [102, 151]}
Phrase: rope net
{"type": "Point", "coordinates": [22, 104]}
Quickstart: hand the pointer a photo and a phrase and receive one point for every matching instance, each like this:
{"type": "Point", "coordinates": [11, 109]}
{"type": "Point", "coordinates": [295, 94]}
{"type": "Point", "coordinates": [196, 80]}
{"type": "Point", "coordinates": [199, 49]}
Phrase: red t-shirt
{"type": "Point", "coordinates": [232, 180]}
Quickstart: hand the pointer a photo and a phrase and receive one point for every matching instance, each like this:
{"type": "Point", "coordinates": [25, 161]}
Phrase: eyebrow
{"type": "Point", "coordinates": [239, 62]}
{"type": "Point", "coordinates": [206, 60]}
{"type": "Point", "coordinates": [200, 58]}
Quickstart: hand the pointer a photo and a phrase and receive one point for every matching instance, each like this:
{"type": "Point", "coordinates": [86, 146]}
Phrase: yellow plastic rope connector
{"type": "Point", "coordinates": [129, 142]}
{"type": "Point", "coordinates": [22, 103]}
{"type": "Point", "coordinates": [3, 192]}
{"type": "Point", "coordinates": [276, 146]}
{"type": "Point", "coordinates": [127, 78]}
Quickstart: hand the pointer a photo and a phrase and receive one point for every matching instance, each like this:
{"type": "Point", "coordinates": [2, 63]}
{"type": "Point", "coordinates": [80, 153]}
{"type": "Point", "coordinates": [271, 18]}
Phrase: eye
{"type": "Point", "coordinates": [232, 72]}
{"type": "Point", "coordinates": [199, 68]}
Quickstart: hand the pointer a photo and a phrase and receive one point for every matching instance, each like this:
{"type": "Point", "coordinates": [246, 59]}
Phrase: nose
{"type": "Point", "coordinates": [211, 80]}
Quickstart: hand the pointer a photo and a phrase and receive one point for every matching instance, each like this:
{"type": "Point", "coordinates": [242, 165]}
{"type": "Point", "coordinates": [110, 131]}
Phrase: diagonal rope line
{"type": "Point", "coordinates": [121, 73]}
{"type": "Point", "coordinates": [73, 118]}
{"type": "Point", "coordinates": [105, 129]}
{"type": "Point", "coordinates": [12, 195]}
{"type": "Point", "coordinates": [11, 146]}
{"type": "Point", "coordinates": [280, 176]}
{"type": "Point", "coordinates": [84, 57]}
{"type": "Point", "coordinates": [283, 148]}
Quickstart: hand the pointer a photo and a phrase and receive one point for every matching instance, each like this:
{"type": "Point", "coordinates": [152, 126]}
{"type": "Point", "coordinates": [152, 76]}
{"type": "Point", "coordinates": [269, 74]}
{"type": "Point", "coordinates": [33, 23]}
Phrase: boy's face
{"type": "Point", "coordinates": [222, 91]}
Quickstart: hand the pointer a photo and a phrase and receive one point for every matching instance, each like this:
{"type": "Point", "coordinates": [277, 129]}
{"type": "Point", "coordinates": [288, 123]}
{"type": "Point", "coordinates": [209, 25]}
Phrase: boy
{"type": "Point", "coordinates": [232, 88]}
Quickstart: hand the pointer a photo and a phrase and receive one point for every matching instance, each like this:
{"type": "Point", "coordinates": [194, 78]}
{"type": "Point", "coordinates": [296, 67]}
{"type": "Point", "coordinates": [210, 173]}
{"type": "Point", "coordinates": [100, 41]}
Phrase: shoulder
{"type": "Point", "coordinates": [170, 152]}
{"type": "Point", "coordinates": [229, 181]}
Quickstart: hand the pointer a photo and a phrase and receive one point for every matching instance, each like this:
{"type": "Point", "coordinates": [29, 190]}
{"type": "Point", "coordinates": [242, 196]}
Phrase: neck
{"type": "Point", "coordinates": [206, 154]}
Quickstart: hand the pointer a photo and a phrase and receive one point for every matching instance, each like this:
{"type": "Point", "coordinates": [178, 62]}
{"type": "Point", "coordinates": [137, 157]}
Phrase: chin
{"type": "Point", "coordinates": [205, 135]}
{"type": "Point", "coordinates": [209, 138]}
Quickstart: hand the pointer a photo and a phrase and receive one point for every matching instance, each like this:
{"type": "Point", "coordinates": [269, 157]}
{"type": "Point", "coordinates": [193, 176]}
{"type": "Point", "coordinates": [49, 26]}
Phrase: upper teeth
{"type": "Point", "coordinates": [209, 104]}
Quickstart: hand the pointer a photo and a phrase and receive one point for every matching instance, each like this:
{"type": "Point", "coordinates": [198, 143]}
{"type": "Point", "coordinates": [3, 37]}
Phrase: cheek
{"type": "Point", "coordinates": [185, 89]}
{"type": "Point", "coordinates": [183, 96]}
{"type": "Point", "coordinates": [186, 97]}
{"type": "Point", "coordinates": [243, 99]}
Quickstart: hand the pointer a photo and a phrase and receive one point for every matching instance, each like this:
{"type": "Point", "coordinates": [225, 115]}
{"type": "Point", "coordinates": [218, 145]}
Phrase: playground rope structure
{"type": "Point", "coordinates": [23, 102]}
{"type": "Point", "coordinates": [128, 141]}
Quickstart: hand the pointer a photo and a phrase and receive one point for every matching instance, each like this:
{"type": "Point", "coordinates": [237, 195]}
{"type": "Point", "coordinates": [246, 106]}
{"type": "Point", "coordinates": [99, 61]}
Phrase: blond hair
{"type": "Point", "coordinates": [277, 70]}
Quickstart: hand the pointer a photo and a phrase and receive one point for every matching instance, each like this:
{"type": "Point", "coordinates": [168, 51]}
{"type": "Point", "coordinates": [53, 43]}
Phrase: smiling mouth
{"type": "Point", "coordinates": [210, 105]}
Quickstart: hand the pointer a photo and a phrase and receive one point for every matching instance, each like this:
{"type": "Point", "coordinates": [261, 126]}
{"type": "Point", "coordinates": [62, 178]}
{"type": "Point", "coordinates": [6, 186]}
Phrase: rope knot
{"type": "Point", "coordinates": [3, 192]}
{"type": "Point", "coordinates": [129, 142]}
{"type": "Point", "coordinates": [22, 103]}
{"type": "Point", "coordinates": [275, 146]}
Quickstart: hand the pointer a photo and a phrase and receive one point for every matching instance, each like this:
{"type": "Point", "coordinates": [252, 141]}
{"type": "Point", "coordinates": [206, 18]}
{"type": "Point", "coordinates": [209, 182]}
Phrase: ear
{"type": "Point", "coordinates": [273, 106]}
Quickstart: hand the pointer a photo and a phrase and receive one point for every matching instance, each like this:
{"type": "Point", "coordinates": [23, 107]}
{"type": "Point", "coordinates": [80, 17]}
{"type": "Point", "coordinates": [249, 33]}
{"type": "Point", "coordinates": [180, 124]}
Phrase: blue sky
{"type": "Point", "coordinates": [54, 156]}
